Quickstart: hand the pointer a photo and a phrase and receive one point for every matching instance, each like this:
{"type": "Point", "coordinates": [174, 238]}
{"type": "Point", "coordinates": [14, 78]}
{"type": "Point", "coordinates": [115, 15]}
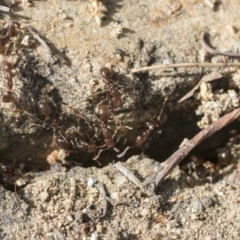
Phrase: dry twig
{"type": "Point", "coordinates": [43, 43]}
{"type": "Point", "coordinates": [5, 9]}
{"type": "Point", "coordinates": [184, 65]}
{"type": "Point", "coordinates": [129, 175]}
{"type": "Point", "coordinates": [213, 51]}
{"type": "Point", "coordinates": [167, 166]}
{"type": "Point", "coordinates": [207, 78]}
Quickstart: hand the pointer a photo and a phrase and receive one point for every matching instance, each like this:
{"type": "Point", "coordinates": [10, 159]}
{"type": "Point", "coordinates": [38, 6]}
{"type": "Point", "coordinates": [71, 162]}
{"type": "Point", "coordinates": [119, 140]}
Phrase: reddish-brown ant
{"type": "Point", "coordinates": [211, 168]}
{"type": "Point", "coordinates": [197, 165]}
{"type": "Point", "coordinates": [44, 109]}
{"type": "Point", "coordinates": [107, 74]}
{"type": "Point", "coordinates": [224, 154]}
{"type": "Point", "coordinates": [104, 114]}
{"type": "Point", "coordinates": [58, 122]}
{"type": "Point", "coordinates": [62, 141]}
{"type": "Point", "coordinates": [9, 95]}
{"type": "Point", "coordinates": [77, 145]}
{"type": "Point", "coordinates": [150, 126]}
{"type": "Point", "coordinates": [9, 33]}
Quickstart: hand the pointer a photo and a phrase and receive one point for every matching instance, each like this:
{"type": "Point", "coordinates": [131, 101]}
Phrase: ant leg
{"type": "Point", "coordinates": [124, 152]}
{"type": "Point", "coordinates": [99, 153]}
{"type": "Point", "coordinates": [29, 114]}
{"type": "Point", "coordinates": [121, 127]}
{"type": "Point", "coordinates": [143, 150]}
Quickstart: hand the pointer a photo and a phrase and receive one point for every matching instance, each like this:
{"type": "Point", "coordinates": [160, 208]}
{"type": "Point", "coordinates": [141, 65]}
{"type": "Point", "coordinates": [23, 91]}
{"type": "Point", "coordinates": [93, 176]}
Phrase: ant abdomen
{"type": "Point", "coordinates": [224, 156]}
{"type": "Point", "coordinates": [103, 113]}
{"type": "Point", "coordinates": [62, 143]}
{"type": "Point", "coordinates": [7, 66]}
{"type": "Point", "coordinates": [8, 96]}
{"type": "Point", "coordinates": [44, 108]}
{"type": "Point", "coordinates": [106, 73]}
{"type": "Point", "coordinates": [201, 171]}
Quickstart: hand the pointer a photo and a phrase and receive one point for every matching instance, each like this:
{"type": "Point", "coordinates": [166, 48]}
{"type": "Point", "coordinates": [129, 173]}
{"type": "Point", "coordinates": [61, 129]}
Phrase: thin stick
{"type": "Point", "coordinates": [5, 9]}
{"type": "Point", "coordinates": [207, 78]}
{"type": "Point", "coordinates": [43, 43]}
{"type": "Point", "coordinates": [129, 175]}
{"type": "Point", "coordinates": [184, 65]}
{"type": "Point", "coordinates": [213, 51]}
{"type": "Point", "coordinates": [167, 166]}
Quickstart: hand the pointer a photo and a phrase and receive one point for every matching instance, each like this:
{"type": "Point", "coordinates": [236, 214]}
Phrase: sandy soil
{"type": "Point", "coordinates": [82, 37]}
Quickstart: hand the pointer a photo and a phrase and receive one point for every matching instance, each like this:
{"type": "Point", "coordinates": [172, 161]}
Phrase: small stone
{"type": "Point", "coordinates": [120, 180]}
{"type": "Point", "coordinates": [144, 212]}
{"type": "Point", "coordinates": [94, 236]}
{"type": "Point", "coordinates": [197, 206]}
{"type": "Point", "coordinates": [194, 217]}
{"type": "Point", "coordinates": [114, 195]}
{"type": "Point", "coordinates": [173, 199]}
{"type": "Point", "coordinates": [99, 228]}
{"type": "Point", "coordinates": [44, 196]}
{"type": "Point", "coordinates": [207, 202]}
{"type": "Point", "coordinates": [91, 182]}
{"type": "Point", "coordinates": [69, 218]}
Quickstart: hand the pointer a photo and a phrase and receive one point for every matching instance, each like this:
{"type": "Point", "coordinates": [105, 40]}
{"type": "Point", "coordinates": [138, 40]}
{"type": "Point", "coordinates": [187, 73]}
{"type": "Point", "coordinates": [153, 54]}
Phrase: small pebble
{"type": "Point", "coordinates": [99, 228]}
{"type": "Point", "coordinates": [207, 202]}
{"type": "Point", "coordinates": [144, 212]}
{"type": "Point", "coordinates": [197, 206]}
{"type": "Point", "coordinates": [94, 236]}
{"type": "Point", "coordinates": [69, 218]}
{"type": "Point", "coordinates": [194, 216]}
{"type": "Point", "coordinates": [120, 180]}
{"type": "Point", "coordinates": [91, 182]}
{"type": "Point", "coordinates": [44, 196]}
{"type": "Point", "coordinates": [114, 195]}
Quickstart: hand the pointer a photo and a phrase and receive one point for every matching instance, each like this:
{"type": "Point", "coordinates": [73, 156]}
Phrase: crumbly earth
{"type": "Point", "coordinates": [83, 36]}
{"type": "Point", "coordinates": [57, 206]}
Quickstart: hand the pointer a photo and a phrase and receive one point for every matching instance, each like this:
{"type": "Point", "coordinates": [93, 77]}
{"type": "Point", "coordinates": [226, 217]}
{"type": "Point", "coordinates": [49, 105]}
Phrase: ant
{"type": "Point", "coordinates": [150, 126]}
{"type": "Point", "coordinates": [197, 164]}
{"type": "Point", "coordinates": [208, 168]}
{"type": "Point", "coordinates": [107, 74]}
{"type": "Point", "coordinates": [9, 174]}
{"type": "Point", "coordinates": [76, 145]}
{"type": "Point", "coordinates": [104, 114]}
{"type": "Point", "coordinates": [9, 95]}
{"type": "Point", "coordinates": [58, 122]}
{"type": "Point", "coordinates": [10, 32]}
{"type": "Point", "coordinates": [224, 154]}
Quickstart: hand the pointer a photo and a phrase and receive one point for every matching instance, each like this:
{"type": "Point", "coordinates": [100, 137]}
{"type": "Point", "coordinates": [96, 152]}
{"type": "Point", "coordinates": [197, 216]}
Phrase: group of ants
{"type": "Point", "coordinates": [104, 114]}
